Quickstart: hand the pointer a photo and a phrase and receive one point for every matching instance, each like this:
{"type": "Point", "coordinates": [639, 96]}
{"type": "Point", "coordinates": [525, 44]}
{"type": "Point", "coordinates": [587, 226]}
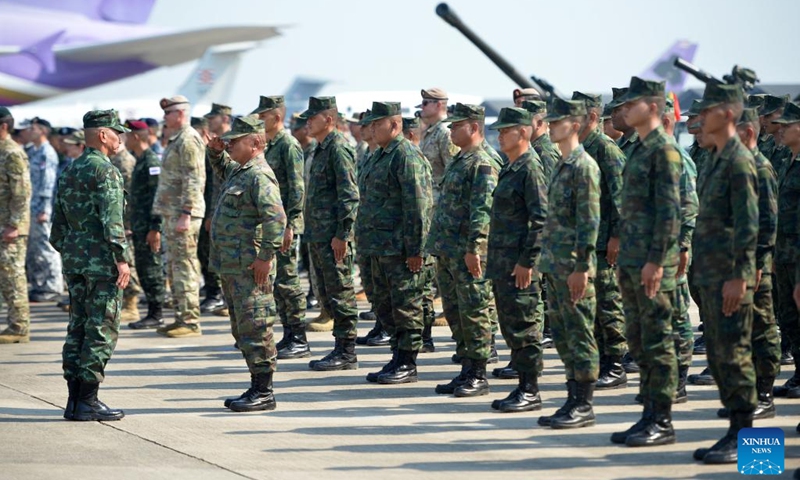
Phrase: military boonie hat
{"type": "Point", "coordinates": [591, 100]}
{"type": "Point", "coordinates": [317, 105]}
{"type": "Point", "coordinates": [463, 111]}
{"type": "Point", "coordinates": [410, 123]}
{"type": "Point", "coordinates": [244, 126]}
{"type": "Point", "coordinates": [172, 101]}
{"type": "Point", "coordinates": [218, 109]}
{"type": "Point", "coordinates": [103, 119]}
{"type": "Point", "coordinates": [640, 88]}
{"type": "Point", "coordinates": [355, 117]}
{"type": "Point", "coordinates": [75, 138]}
{"type": "Point", "coordinates": [199, 122]}
{"type": "Point", "coordinates": [716, 94]}
{"type": "Point", "coordinates": [383, 110]}
{"type": "Point", "coordinates": [565, 108]}
{"type": "Point", "coordinates": [749, 115]}
{"type": "Point", "coordinates": [773, 103]}
{"type": "Point", "coordinates": [791, 114]}
{"type": "Point", "coordinates": [535, 106]}
{"type": "Point", "coordinates": [511, 117]}
{"type": "Point", "coordinates": [134, 125]}
{"type": "Point", "coordinates": [266, 104]}
{"type": "Point", "coordinates": [525, 93]}
{"type": "Point", "coordinates": [365, 118]}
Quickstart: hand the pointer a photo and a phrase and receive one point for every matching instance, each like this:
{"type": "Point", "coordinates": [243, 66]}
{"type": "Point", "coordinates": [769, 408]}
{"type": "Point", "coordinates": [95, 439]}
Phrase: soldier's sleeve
{"type": "Point", "coordinates": [480, 209]}
{"type": "Point", "coordinates": [193, 173]}
{"type": "Point", "coordinates": [767, 215]}
{"type": "Point", "coordinates": [48, 185]}
{"type": "Point", "coordinates": [614, 164]}
{"type": "Point", "coordinates": [110, 208]}
{"type": "Point", "coordinates": [536, 202]}
{"type": "Point", "coordinates": [221, 163]}
{"type": "Point", "coordinates": [344, 169]}
{"type": "Point", "coordinates": [19, 188]}
{"type": "Point", "coordinates": [587, 222]}
{"type": "Point", "coordinates": [666, 224]}
{"type": "Point", "coordinates": [267, 196]}
{"type": "Point", "coordinates": [58, 232]}
{"type": "Point", "coordinates": [153, 174]}
{"type": "Point", "coordinates": [294, 178]}
{"type": "Point", "coordinates": [209, 190]}
{"type": "Point", "coordinates": [744, 202]}
{"type": "Point", "coordinates": [411, 175]}
{"type": "Point", "coordinates": [689, 203]}
{"type": "Point", "coordinates": [447, 150]}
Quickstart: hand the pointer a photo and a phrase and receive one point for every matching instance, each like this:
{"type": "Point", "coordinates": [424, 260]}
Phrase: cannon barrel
{"type": "Point", "coordinates": [692, 70]}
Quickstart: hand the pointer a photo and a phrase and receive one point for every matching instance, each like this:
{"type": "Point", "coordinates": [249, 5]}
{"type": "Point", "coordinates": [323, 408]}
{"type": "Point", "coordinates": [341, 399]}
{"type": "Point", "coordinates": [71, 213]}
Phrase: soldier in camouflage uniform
{"type": "Point", "coordinates": [725, 245]}
{"type": "Point", "coordinates": [545, 149]}
{"type": "Point", "coordinates": [629, 136]}
{"type": "Point", "coordinates": [435, 143]}
{"type": "Point", "coordinates": [179, 200]}
{"type": "Point", "coordinates": [787, 249]}
{"type": "Point", "coordinates": [458, 240]}
{"type": "Point", "coordinates": [15, 199]}
{"type": "Point", "coordinates": [145, 225]}
{"type": "Point", "coordinates": [770, 144]}
{"type": "Point", "coordinates": [246, 233]}
{"type": "Point", "coordinates": [608, 125]}
{"type": "Point", "coordinates": [330, 211]}
{"type": "Point", "coordinates": [609, 326]}
{"type": "Point", "coordinates": [284, 155]}
{"type": "Point", "coordinates": [568, 262]}
{"type": "Point", "coordinates": [519, 209]}
{"type": "Point", "coordinates": [392, 228]}
{"type": "Point", "coordinates": [125, 163]}
{"type": "Point", "coordinates": [88, 231]}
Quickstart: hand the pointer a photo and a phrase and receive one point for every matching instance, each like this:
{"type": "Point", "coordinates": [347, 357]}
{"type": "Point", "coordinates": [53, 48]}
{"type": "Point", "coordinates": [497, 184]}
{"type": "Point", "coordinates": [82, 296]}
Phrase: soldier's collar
{"type": "Point", "coordinates": [593, 136]}
{"type": "Point", "coordinates": [394, 143]}
{"type": "Point", "coordinates": [573, 155]}
{"type": "Point", "coordinates": [517, 164]}
{"type": "Point", "coordinates": [277, 136]}
{"type": "Point", "coordinates": [328, 139]}
{"type": "Point", "coordinates": [252, 162]}
{"type": "Point", "coordinates": [652, 137]}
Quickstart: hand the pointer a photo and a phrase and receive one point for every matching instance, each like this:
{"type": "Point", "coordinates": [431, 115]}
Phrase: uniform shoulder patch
{"type": "Point", "coordinates": [485, 170]}
{"type": "Point", "coordinates": [155, 170]}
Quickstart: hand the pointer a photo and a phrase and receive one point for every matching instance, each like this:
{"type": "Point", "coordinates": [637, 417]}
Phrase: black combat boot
{"type": "Point", "coordinates": [380, 340]}
{"type": "Point", "coordinates": [494, 357]}
{"type": "Point", "coordinates": [647, 417]}
{"type": "Point", "coordinates": [475, 384]}
{"type": "Point", "coordinates": [581, 414]}
{"type": "Point", "coordinates": [297, 347]}
{"type": "Point", "coordinates": [403, 371]}
{"type": "Point", "coordinates": [287, 336]}
{"type": "Point", "coordinates": [376, 330]}
{"type": "Point", "coordinates": [343, 357]}
{"type": "Point", "coordinates": [765, 407]}
{"type": "Point", "coordinates": [547, 339]}
{"type": "Point", "coordinates": [703, 378]}
{"type": "Point", "coordinates": [680, 393]}
{"type": "Point", "coordinates": [699, 347]}
{"type": "Point", "coordinates": [427, 338]}
{"type": "Point", "coordinates": [88, 407]}
{"type": "Point", "coordinates": [613, 375]}
{"type": "Point", "coordinates": [629, 364]}
{"type": "Point", "coordinates": [786, 351]}
{"type": "Point", "coordinates": [524, 398]}
{"type": "Point", "coordinates": [450, 388]}
{"type": "Point", "coordinates": [544, 420]}
{"type": "Point", "coordinates": [507, 373]}
{"type": "Point", "coordinates": [725, 450]}
{"type": "Point", "coordinates": [247, 392]}
{"type": "Point", "coordinates": [260, 396]}
{"type": "Point", "coordinates": [656, 430]}
{"type": "Point", "coordinates": [456, 358]}
{"type": "Point", "coordinates": [372, 377]}
{"type": "Point", "coordinates": [792, 385]}
{"type": "Point", "coordinates": [154, 318]}
{"type": "Point", "coordinates": [213, 300]}
{"type": "Point", "coordinates": [73, 387]}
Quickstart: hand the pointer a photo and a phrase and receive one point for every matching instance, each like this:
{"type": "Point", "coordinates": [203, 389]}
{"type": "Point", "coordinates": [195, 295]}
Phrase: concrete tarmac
{"type": "Point", "coordinates": [327, 425]}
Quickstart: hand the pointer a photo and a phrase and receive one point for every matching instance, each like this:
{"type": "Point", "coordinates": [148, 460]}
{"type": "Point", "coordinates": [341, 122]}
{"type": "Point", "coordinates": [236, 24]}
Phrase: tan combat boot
{"type": "Point", "coordinates": [181, 330]}
{"type": "Point", "coordinates": [440, 321]}
{"type": "Point", "coordinates": [130, 309]}
{"type": "Point", "coordinates": [323, 323]}
{"type": "Point", "coordinates": [12, 336]}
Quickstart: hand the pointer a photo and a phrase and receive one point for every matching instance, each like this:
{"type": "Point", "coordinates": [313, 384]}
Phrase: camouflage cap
{"type": "Point", "coordinates": [297, 122]}
{"type": "Point", "coordinates": [464, 111]}
{"type": "Point", "coordinates": [75, 138]}
{"type": "Point", "coordinates": [4, 112]}
{"type": "Point", "coordinates": [694, 110]}
{"type": "Point", "coordinates": [791, 114]}
{"type": "Point", "coordinates": [172, 101]}
{"type": "Point", "coordinates": [410, 123]}
{"type": "Point", "coordinates": [565, 108]}
{"type": "Point", "coordinates": [383, 110]}
{"type": "Point", "coordinates": [266, 104]}
{"type": "Point", "coordinates": [755, 101]}
{"type": "Point", "coordinates": [356, 117]}
{"type": "Point", "coordinates": [773, 103]}
{"type": "Point", "coordinates": [317, 105]}
{"type": "Point", "coordinates": [529, 92]}
{"type": "Point", "coordinates": [511, 117]}
{"type": "Point", "coordinates": [365, 118]}
{"type": "Point", "coordinates": [749, 115]}
{"type": "Point", "coordinates": [717, 93]}
{"type": "Point", "coordinates": [535, 106]}
{"type": "Point", "coordinates": [103, 119]}
{"type": "Point", "coordinates": [640, 88]}
{"type": "Point", "coordinates": [244, 126]}
{"type": "Point", "coordinates": [199, 122]}
{"type": "Point", "coordinates": [591, 100]}
{"type": "Point", "coordinates": [218, 109]}
{"type": "Point", "coordinates": [607, 110]}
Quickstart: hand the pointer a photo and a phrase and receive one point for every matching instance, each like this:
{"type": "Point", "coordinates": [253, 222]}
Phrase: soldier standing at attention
{"type": "Point", "coordinates": [568, 261]}
{"type": "Point", "coordinates": [519, 209]}
{"type": "Point", "coordinates": [15, 218]}
{"type": "Point", "coordinates": [726, 241]}
{"type": "Point", "coordinates": [540, 140]}
{"type": "Point", "coordinates": [435, 142]}
{"type": "Point", "coordinates": [609, 326]}
{"type": "Point", "coordinates": [89, 233]}
{"type": "Point", "coordinates": [629, 136]}
{"type": "Point", "coordinates": [330, 211]}
{"type": "Point", "coordinates": [648, 264]}
{"type": "Point", "coordinates": [246, 233]}
{"type": "Point", "coordinates": [608, 125]}
{"type": "Point", "coordinates": [285, 157]}
{"type": "Point", "coordinates": [145, 225]}
{"type": "Point", "coordinates": [179, 200]}
{"type": "Point", "coordinates": [392, 228]}
{"type": "Point", "coordinates": [125, 163]}
{"type": "Point", "coordinates": [521, 95]}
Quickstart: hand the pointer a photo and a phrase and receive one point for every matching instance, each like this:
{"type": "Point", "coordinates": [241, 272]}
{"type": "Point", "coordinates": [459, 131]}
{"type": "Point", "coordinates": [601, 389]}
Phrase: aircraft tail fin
{"type": "Point", "coordinates": [120, 11]}
{"type": "Point", "coordinates": [212, 79]}
{"type": "Point", "coordinates": [296, 96]}
{"type": "Point", "coordinates": [663, 68]}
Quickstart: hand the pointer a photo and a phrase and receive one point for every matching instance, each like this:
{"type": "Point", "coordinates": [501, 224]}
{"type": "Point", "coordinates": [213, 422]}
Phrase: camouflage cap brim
{"type": "Point", "coordinates": [554, 117]}
{"type": "Point", "coordinates": [786, 121]}
{"type": "Point", "coordinates": [498, 125]}
{"type": "Point", "coordinates": [455, 118]}
{"type": "Point", "coordinates": [231, 135]}
{"type": "Point", "coordinates": [704, 104]}
{"type": "Point", "coordinates": [373, 117]}
{"type": "Point", "coordinates": [120, 128]}
{"type": "Point", "coordinates": [260, 109]}
{"type": "Point", "coordinates": [626, 98]}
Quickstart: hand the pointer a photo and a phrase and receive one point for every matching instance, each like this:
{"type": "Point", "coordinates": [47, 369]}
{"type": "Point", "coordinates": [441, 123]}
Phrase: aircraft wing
{"type": "Point", "coordinates": [165, 49]}
{"type": "Point", "coordinates": [10, 50]}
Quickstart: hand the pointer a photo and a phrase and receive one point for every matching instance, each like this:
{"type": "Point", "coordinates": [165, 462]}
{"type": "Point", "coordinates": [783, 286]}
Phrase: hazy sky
{"type": "Point", "coordinates": [586, 45]}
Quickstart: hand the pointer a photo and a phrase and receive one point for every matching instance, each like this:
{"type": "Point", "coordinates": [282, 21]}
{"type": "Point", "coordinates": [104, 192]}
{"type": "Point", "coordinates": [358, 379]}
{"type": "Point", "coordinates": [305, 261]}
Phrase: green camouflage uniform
{"type": "Point", "coordinates": [125, 163]}
{"type": "Point", "coordinates": [393, 223]}
{"type": "Point", "coordinates": [649, 230]}
{"type": "Point", "coordinates": [364, 261]}
{"type": "Point", "coordinates": [681, 323]}
{"type": "Point", "coordinates": [180, 190]}
{"type": "Point", "coordinates": [89, 233]}
{"type": "Point", "coordinates": [548, 154]}
{"type": "Point", "coordinates": [787, 253]}
{"type": "Point", "coordinates": [143, 190]}
{"type": "Point", "coordinates": [628, 143]}
{"type": "Point", "coordinates": [699, 157]}
{"type": "Point", "coordinates": [211, 279]}
{"type": "Point", "coordinates": [15, 199]}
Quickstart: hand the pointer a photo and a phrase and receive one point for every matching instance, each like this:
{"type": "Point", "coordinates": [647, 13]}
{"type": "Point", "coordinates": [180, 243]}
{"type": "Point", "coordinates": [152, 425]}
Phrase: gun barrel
{"type": "Point", "coordinates": [692, 70]}
{"type": "Point", "coordinates": [449, 16]}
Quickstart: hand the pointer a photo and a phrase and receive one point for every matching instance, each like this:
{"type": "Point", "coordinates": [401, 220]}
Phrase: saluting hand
{"type": "Point", "coordinates": [124, 274]}
{"type": "Point", "coordinates": [216, 145]}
